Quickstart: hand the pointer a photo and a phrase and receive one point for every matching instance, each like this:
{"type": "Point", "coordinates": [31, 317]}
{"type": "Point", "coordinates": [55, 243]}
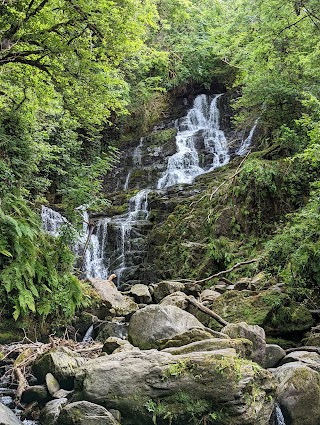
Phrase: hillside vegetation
{"type": "Point", "coordinates": [75, 76]}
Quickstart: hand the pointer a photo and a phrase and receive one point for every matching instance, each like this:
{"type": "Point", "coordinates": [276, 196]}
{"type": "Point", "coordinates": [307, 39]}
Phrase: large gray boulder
{"type": "Point", "coordinates": [253, 333]}
{"type": "Point", "coordinates": [150, 325]}
{"type": "Point", "coordinates": [7, 417]}
{"type": "Point", "coordinates": [61, 362]}
{"type": "Point", "coordinates": [117, 303]}
{"type": "Point", "coordinates": [85, 413]}
{"type": "Point", "coordinates": [146, 384]}
{"type": "Point", "coordinates": [299, 393]}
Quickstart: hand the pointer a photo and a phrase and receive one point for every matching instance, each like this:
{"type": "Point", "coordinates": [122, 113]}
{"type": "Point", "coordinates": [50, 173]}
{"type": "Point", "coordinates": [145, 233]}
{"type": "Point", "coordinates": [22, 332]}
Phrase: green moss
{"type": "Point", "coordinates": [9, 331]}
{"type": "Point", "coordinates": [162, 136]}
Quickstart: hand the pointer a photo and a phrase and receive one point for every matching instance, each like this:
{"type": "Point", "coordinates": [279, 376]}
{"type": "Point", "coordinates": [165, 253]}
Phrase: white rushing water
{"type": "Point", "coordinates": [93, 257]}
{"type": "Point", "coordinates": [279, 419]}
{"type": "Point", "coordinates": [202, 121]}
{"type": "Point", "coordinates": [137, 212]}
{"type": "Point", "coordinates": [199, 141]}
{"type": "Point", "coordinates": [246, 143]}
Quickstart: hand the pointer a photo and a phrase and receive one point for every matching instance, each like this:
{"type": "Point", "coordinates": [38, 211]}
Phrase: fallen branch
{"type": "Point", "coordinates": [206, 310]}
{"type": "Point", "coordinates": [22, 382]}
{"type": "Point", "coordinates": [223, 272]}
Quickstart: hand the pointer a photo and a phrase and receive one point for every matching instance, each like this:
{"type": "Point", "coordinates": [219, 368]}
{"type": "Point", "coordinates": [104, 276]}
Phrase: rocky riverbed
{"type": "Point", "coordinates": [153, 362]}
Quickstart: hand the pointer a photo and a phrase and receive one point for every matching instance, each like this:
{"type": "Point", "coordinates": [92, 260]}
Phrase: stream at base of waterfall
{"type": "Point", "coordinates": [201, 126]}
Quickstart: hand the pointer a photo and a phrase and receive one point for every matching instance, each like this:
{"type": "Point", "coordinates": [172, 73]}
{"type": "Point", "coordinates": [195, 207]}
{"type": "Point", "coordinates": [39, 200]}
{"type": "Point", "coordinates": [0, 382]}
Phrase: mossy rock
{"type": "Point", "coordinates": [161, 137]}
{"type": "Point", "coordinates": [288, 319]}
{"type": "Point", "coordinates": [243, 306]}
{"type": "Point", "coordinates": [9, 332]}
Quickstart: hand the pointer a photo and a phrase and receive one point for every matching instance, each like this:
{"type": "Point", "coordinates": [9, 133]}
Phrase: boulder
{"type": "Point", "coordinates": [61, 362]}
{"type": "Point", "coordinates": [155, 385]}
{"type": "Point", "coordinates": [166, 287]}
{"type": "Point", "coordinates": [156, 322]}
{"type": "Point", "coordinates": [255, 334]}
{"type": "Point", "coordinates": [310, 359]}
{"type": "Point", "coordinates": [141, 293]}
{"type": "Point", "coordinates": [7, 417]}
{"type": "Point", "coordinates": [299, 393]}
{"type": "Point", "coordinates": [51, 411]}
{"type": "Point", "coordinates": [113, 344]}
{"type": "Point", "coordinates": [117, 303]}
{"type": "Point", "coordinates": [113, 328]}
{"type": "Point", "coordinates": [209, 295]}
{"type": "Point", "coordinates": [243, 347]}
{"type": "Point", "coordinates": [192, 288]}
{"type": "Point", "coordinates": [274, 354]}
{"type": "Point", "coordinates": [178, 299]}
{"type": "Point", "coordinates": [187, 337]}
{"type": "Point", "coordinates": [85, 413]}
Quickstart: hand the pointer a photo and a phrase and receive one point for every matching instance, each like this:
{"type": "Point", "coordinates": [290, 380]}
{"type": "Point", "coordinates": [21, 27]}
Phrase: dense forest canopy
{"type": "Point", "coordinates": [70, 70]}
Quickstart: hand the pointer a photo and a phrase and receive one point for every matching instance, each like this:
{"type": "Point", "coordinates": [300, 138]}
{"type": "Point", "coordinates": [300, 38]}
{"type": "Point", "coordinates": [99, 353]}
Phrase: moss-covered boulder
{"type": "Point", "coordinates": [270, 309]}
{"type": "Point", "coordinates": [187, 337]}
{"type": "Point", "coordinates": [157, 386]}
{"type": "Point", "coordinates": [299, 393]}
{"type": "Point", "coordinates": [61, 362]}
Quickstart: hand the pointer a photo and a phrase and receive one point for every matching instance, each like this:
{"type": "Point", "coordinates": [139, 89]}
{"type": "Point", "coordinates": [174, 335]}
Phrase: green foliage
{"type": "Point", "coordinates": [177, 369]}
{"type": "Point", "coordinates": [294, 252]}
{"type": "Point", "coordinates": [35, 268]}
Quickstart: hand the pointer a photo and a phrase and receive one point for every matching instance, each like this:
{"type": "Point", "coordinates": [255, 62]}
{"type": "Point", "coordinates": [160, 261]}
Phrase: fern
{"type": "Point", "coordinates": [35, 268]}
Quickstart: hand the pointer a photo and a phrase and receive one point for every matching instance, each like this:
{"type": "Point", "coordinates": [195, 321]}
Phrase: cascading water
{"type": "Point", "coordinates": [138, 211]}
{"type": "Point", "coordinates": [277, 417]}
{"type": "Point", "coordinates": [246, 143]}
{"type": "Point", "coordinates": [116, 244]}
{"type": "Point", "coordinates": [93, 259]}
{"type": "Point", "coordinates": [202, 120]}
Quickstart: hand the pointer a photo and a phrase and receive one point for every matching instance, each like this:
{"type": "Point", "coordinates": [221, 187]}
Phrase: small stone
{"type": "Point", "coordinates": [52, 384]}
{"type": "Point", "coordinates": [274, 354]}
{"type": "Point", "coordinates": [35, 393]}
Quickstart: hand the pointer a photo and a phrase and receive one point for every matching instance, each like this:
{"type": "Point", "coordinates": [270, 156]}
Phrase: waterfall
{"type": "Point", "coordinates": [245, 144]}
{"type": "Point", "coordinates": [277, 417]}
{"type": "Point", "coordinates": [137, 212]}
{"type": "Point", "coordinates": [52, 221]}
{"type": "Point", "coordinates": [88, 335]}
{"type": "Point", "coordinates": [93, 259]}
{"type": "Point", "coordinates": [201, 121]}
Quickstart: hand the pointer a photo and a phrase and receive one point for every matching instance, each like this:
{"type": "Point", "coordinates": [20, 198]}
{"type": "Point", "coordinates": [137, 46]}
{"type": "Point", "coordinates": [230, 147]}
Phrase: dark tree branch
{"type": "Point", "coordinates": [11, 57]}
{"type": "Point", "coordinates": [91, 26]}
{"type": "Point", "coordinates": [206, 310]}
{"type": "Point", "coordinates": [223, 272]}
{"type": "Point", "coordinates": [30, 62]}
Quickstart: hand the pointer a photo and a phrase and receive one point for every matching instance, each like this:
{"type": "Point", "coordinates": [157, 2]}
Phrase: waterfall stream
{"type": "Point", "coordinates": [202, 121]}
{"type": "Point", "coordinates": [115, 243]}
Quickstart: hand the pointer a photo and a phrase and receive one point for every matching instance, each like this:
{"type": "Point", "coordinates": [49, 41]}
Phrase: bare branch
{"type": "Point", "coordinates": [223, 272]}
{"type": "Point", "coordinates": [206, 310]}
